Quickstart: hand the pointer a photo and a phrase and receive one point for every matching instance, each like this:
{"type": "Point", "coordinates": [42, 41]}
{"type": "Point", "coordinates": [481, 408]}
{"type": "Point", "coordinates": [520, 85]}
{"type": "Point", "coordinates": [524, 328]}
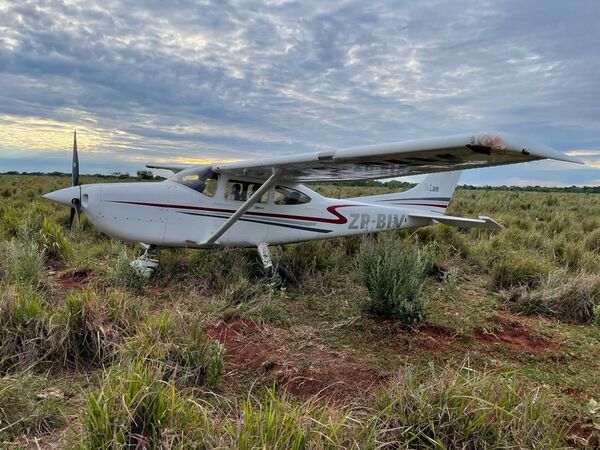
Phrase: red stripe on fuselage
{"type": "Point", "coordinates": [420, 204]}
{"type": "Point", "coordinates": [332, 209]}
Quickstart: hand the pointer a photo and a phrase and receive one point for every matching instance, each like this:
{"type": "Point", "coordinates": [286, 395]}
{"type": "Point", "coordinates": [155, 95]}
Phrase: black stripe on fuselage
{"type": "Point", "coordinates": [297, 227]}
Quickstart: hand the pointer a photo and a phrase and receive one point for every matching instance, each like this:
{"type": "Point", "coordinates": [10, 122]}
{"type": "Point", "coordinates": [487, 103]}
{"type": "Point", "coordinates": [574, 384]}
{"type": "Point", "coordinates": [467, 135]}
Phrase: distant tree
{"type": "Point", "coordinates": [145, 174]}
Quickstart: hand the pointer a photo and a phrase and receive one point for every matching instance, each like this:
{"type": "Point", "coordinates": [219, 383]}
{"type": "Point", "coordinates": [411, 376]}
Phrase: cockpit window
{"type": "Point", "coordinates": [200, 179]}
{"type": "Point", "coordinates": [288, 196]}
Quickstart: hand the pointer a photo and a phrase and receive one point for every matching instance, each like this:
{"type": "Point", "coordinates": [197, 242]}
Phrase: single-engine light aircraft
{"type": "Point", "coordinates": [262, 202]}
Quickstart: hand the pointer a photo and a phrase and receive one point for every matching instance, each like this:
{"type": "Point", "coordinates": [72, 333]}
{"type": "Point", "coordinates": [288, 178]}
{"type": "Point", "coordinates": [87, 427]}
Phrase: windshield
{"type": "Point", "coordinates": [200, 179]}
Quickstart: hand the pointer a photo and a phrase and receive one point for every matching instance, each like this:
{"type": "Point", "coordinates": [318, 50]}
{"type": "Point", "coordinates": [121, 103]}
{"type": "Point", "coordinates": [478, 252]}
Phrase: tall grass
{"type": "Point", "coordinates": [134, 408]}
{"type": "Point", "coordinates": [74, 333]}
{"type": "Point", "coordinates": [23, 329]}
{"type": "Point", "coordinates": [464, 409]}
{"type": "Point", "coordinates": [121, 274]}
{"type": "Point", "coordinates": [26, 265]}
{"type": "Point", "coordinates": [518, 268]}
{"type": "Point", "coordinates": [570, 298]}
{"type": "Point", "coordinates": [180, 349]}
{"type": "Point", "coordinates": [26, 409]}
{"type": "Point", "coordinates": [53, 241]}
{"type": "Point", "coordinates": [393, 271]}
{"type": "Point", "coordinates": [418, 410]}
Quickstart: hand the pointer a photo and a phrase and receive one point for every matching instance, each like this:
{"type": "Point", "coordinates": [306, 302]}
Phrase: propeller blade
{"type": "Point", "coordinates": [75, 172]}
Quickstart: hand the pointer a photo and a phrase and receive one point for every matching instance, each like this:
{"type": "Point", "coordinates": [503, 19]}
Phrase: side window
{"type": "Point", "coordinates": [287, 196]}
{"type": "Point", "coordinates": [199, 179]}
{"type": "Point", "coordinates": [242, 190]}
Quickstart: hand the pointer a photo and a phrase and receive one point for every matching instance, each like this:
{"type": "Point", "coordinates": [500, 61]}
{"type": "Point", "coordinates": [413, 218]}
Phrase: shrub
{"type": "Point", "coordinates": [463, 409]}
{"type": "Point", "coordinates": [570, 298]}
{"type": "Point", "coordinates": [121, 274]}
{"type": "Point", "coordinates": [53, 242]}
{"type": "Point", "coordinates": [25, 408]}
{"type": "Point", "coordinates": [514, 268]}
{"type": "Point", "coordinates": [135, 409]}
{"type": "Point", "coordinates": [393, 271]}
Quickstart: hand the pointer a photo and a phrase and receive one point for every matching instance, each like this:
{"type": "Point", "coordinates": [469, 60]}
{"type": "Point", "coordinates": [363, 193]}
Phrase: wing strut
{"type": "Point", "coordinates": [247, 205]}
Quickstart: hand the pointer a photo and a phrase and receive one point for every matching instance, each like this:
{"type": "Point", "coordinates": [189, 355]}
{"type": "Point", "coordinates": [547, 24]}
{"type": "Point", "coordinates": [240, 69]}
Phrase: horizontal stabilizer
{"type": "Point", "coordinates": [172, 167]}
{"type": "Point", "coordinates": [463, 222]}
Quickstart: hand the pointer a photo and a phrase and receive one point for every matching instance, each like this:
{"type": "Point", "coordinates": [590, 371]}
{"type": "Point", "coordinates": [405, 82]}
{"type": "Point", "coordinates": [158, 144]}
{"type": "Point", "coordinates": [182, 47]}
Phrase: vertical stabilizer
{"type": "Point", "coordinates": [432, 194]}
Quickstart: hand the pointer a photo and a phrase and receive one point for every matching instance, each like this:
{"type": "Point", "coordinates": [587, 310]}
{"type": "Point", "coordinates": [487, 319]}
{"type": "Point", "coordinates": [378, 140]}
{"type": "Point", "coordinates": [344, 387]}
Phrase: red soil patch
{"type": "Point", "coordinates": [240, 341]}
{"type": "Point", "coordinates": [73, 280]}
{"type": "Point", "coordinates": [254, 349]}
{"type": "Point", "coordinates": [330, 375]}
{"type": "Point", "coordinates": [427, 335]}
{"type": "Point", "coordinates": [515, 335]}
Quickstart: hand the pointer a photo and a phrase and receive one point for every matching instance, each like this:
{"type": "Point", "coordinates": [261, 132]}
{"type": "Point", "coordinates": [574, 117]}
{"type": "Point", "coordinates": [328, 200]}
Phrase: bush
{"type": "Point", "coordinates": [463, 409]}
{"type": "Point", "coordinates": [570, 298]}
{"type": "Point", "coordinates": [25, 408]}
{"type": "Point", "coordinates": [135, 409]}
{"type": "Point", "coordinates": [393, 271]}
{"type": "Point", "coordinates": [514, 268]}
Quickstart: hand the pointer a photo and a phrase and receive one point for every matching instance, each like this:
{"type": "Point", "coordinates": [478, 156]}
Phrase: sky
{"type": "Point", "coordinates": [199, 81]}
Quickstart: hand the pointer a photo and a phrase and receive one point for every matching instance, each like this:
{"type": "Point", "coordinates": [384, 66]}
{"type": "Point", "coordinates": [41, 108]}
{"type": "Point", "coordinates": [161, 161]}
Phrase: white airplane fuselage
{"type": "Point", "coordinates": [168, 214]}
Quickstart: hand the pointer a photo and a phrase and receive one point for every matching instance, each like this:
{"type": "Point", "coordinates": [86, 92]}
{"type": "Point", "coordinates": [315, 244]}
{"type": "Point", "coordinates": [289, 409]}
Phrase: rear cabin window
{"type": "Point", "coordinates": [288, 196]}
{"type": "Point", "coordinates": [240, 191]}
{"type": "Point", "coordinates": [199, 179]}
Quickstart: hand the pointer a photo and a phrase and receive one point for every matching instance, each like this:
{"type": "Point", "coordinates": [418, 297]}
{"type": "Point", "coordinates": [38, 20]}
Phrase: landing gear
{"type": "Point", "coordinates": [265, 257]}
{"type": "Point", "coordinates": [144, 265]}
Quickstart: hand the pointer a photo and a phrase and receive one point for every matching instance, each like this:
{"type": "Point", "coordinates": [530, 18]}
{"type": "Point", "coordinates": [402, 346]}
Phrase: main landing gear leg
{"type": "Point", "coordinates": [265, 256]}
{"type": "Point", "coordinates": [144, 265]}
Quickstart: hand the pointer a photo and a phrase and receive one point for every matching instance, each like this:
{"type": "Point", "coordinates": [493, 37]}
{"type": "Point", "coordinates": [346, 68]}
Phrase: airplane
{"type": "Point", "coordinates": [262, 202]}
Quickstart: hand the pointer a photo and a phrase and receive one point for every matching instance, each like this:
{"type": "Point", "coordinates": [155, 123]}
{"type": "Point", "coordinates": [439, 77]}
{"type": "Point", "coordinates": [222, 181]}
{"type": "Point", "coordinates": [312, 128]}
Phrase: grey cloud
{"type": "Point", "coordinates": [294, 76]}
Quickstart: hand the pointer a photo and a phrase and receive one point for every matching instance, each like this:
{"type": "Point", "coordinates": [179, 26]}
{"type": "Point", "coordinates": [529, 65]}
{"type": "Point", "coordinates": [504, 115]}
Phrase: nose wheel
{"type": "Point", "coordinates": [144, 264]}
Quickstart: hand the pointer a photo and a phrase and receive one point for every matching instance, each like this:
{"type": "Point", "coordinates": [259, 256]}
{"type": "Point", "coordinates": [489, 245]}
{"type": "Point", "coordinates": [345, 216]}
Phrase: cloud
{"type": "Point", "coordinates": [211, 80]}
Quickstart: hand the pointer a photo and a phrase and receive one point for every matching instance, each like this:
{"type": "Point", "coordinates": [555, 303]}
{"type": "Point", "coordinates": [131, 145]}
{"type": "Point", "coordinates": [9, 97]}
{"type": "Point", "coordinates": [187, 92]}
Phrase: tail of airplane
{"type": "Point", "coordinates": [432, 194]}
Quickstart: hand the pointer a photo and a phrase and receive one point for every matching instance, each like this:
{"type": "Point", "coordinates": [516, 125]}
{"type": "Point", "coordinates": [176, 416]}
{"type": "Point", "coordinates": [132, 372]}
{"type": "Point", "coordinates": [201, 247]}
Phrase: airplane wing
{"type": "Point", "coordinates": [397, 159]}
{"type": "Point", "coordinates": [172, 167]}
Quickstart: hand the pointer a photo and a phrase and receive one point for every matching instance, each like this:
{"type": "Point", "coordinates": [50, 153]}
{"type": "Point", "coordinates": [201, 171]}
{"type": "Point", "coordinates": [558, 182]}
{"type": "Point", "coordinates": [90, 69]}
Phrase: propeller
{"type": "Point", "coordinates": [76, 201]}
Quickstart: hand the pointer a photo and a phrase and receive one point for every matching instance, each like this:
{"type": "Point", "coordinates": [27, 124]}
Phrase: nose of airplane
{"type": "Point", "coordinates": [64, 196]}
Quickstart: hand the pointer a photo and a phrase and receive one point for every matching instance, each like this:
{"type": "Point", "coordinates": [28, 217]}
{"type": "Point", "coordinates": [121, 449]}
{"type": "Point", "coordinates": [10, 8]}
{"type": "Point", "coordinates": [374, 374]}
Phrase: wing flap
{"type": "Point", "coordinates": [462, 222]}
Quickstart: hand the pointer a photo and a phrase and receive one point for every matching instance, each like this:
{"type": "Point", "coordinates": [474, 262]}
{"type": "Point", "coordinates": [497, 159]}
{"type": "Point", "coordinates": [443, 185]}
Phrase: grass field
{"type": "Point", "coordinates": [209, 353]}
